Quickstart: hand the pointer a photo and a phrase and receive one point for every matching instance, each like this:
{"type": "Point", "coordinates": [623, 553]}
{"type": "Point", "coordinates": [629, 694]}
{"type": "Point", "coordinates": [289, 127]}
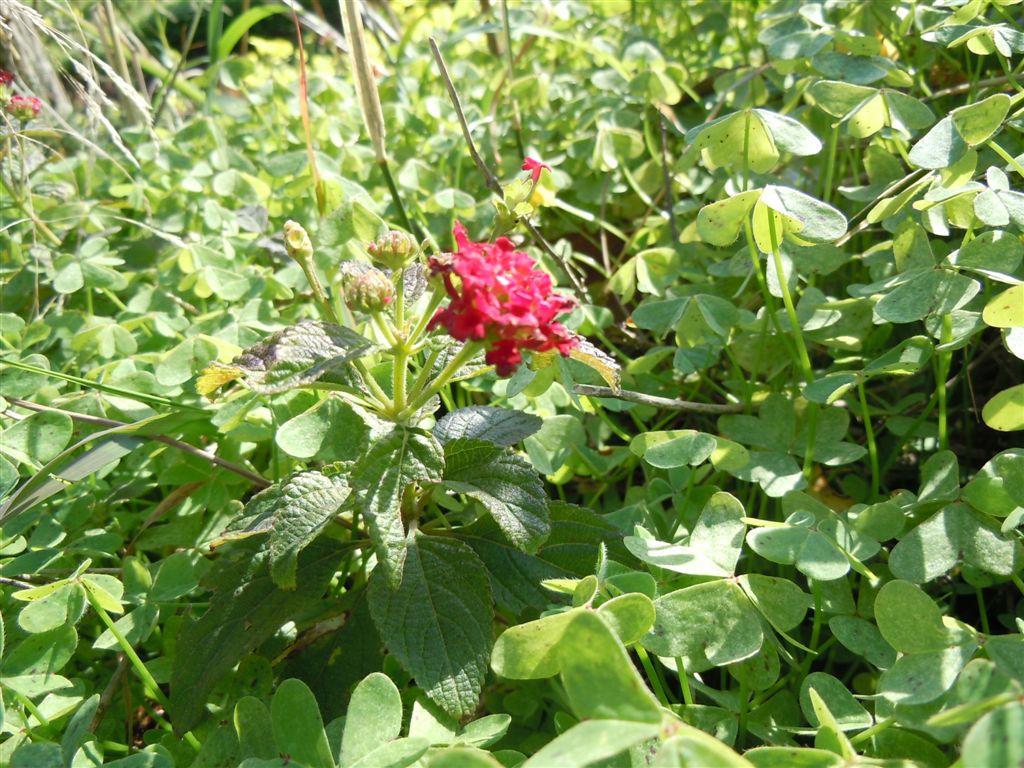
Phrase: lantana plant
{"type": "Point", "coordinates": [431, 499]}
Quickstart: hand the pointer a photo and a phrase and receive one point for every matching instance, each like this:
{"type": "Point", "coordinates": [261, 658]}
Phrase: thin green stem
{"type": "Point", "coordinates": [684, 682]}
{"type": "Point", "coordinates": [652, 675]}
{"type": "Point", "coordinates": [803, 358]}
{"type": "Point", "coordinates": [371, 384]}
{"type": "Point", "coordinates": [869, 434]}
{"type": "Point", "coordinates": [830, 167]}
{"type": "Point", "coordinates": [461, 357]}
{"type": "Point", "coordinates": [943, 362]}
{"type": "Point", "coordinates": [1010, 159]}
{"type": "Point", "coordinates": [137, 663]}
{"type": "Point", "coordinates": [424, 375]}
{"type": "Point", "coordinates": [874, 730]}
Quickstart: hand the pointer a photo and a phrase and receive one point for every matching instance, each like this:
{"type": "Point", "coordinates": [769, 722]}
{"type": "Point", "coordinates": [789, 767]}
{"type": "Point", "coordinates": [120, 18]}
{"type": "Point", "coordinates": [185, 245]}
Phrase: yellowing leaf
{"type": "Point", "coordinates": [1007, 309]}
{"type": "Point", "coordinates": [1005, 411]}
{"type": "Point", "coordinates": [215, 376]}
{"type": "Point", "coordinates": [594, 358]}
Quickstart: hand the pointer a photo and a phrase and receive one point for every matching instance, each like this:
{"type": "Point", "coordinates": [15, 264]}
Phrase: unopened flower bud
{"type": "Point", "coordinates": [369, 291]}
{"type": "Point", "coordinates": [6, 78]}
{"type": "Point", "coordinates": [395, 250]}
{"type": "Point", "coordinates": [23, 107]}
{"type": "Point", "coordinates": [297, 242]}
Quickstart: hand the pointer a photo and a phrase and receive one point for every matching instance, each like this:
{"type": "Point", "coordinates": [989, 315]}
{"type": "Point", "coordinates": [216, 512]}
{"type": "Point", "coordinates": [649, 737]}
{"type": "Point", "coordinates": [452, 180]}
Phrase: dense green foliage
{"type": "Point", "coordinates": [768, 513]}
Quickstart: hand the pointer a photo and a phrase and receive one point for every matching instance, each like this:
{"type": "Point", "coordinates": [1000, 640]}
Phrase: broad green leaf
{"type": "Point", "coordinates": [437, 619]}
{"type": "Point", "coordinates": [977, 122]}
{"type": "Point", "coordinates": [838, 98]}
{"type": "Point", "coordinates": [996, 739]}
{"type": "Point", "coordinates": [78, 729]}
{"type": "Point", "coordinates": [530, 651]}
{"type": "Point", "coordinates": [847, 711]}
{"type": "Point", "coordinates": [329, 431]}
{"type": "Point", "coordinates": [917, 678]}
{"type": "Point", "coordinates": [458, 757]}
{"type": "Point", "coordinates": [1006, 310]}
{"type": "Point", "coordinates": [65, 604]}
{"type": "Point", "coordinates": [397, 754]}
{"type": "Point", "coordinates": [373, 717]}
{"type": "Point", "coordinates": [813, 553]}
{"type": "Point", "coordinates": [940, 478]}
{"type": "Point", "coordinates": [591, 741]}
{"type": "Point", "coordinates": [292, 514]}
{"type": "Point", "coordinates": [926, 292]}
{"type": "Point", "coordinates": [44, 653]}
{"type": "Point", "coordinates": [254, 728]}
{"type": "Point", "coordinates": [720, 223]}
{"type": "Point", "coordinates": [297, 356]}
{"type": "Point", "coordinates": [830, 733]}
{"type": "Point", "coordinates": [997, 489]}
{"type": "Point", "coordinates": [863, 638]}
{"type": "Point", "coordinates": [246, 608]}
{"type": "Point", "coordinates": [757, 133]}
{"type": "Point", "coordinates": [780, 601]}
{"type": "Point", "coordinates": [501, 426]}
{"type": "Point", "coordinates": [905, 358]}
{"type": "Point", "coordinates": [298, 729]}
{"type": "Point", "coordinates": [955, 534]}
{"type": "Point", "coordinates": [909, 620]}
{"type": "Point", "coordinates": [939, 148]}
{"type": "Point", "coordinates": [708, 625]}
{"type": "Point", "coordinates": [600, 681]}
{"type": "Point", "coordinates": [36, 439]}
{"type": "Point", "coordinates": [991, 252]}
{"type": "Point", "coordinates": [485, 731]}
{"type": "Point", "coordinates": [630, 616]}
{"type": "Point", "coordinates": [504, 483]}
{"type": "Point", "coordinates": [690, 746]}
{"type": "Point", "coordinates": [674, 448]}
{"type": "Point", "coordinates": [395, 461]}
{"type": "Point", "coordinates": [816, 222]}
{"type": "Point", "coordinates": [1005, 411]}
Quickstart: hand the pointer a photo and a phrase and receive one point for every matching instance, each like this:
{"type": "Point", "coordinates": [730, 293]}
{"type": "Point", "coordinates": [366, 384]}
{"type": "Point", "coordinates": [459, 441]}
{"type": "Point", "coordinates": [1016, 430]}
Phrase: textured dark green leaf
{"type": "Point", "coordinates": [437, 621]}
{"type": "Point", "coordinates": [401, 457]}
{"type": "Point", "coordinates": [246, 609]}
{"type": "Point", "coordinates": [292, 513]}
{"type": "Point", "coordinates": [501, 426]}
{"type": "Point", "coordinates": [506, 484]}
{"type": "Point", "coordinates": [293, 357]}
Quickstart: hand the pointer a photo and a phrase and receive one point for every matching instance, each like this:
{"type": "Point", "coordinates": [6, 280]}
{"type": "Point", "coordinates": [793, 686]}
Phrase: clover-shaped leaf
{"type": "Point", "coordinates": [795, 216]}
{"type": "Point", "coordinates": [866, 111]}
{"type": "Point", "coordinates": [759, 133]}
{"type": "Point", "coordinates": [965, 127]}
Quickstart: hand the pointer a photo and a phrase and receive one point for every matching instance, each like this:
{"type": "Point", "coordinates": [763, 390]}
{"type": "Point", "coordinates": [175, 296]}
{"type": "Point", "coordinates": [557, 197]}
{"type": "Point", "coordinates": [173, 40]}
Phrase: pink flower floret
{"type": "Point", "coordinates": [502, 299]}
{"type": "Point", "coordinates": [534, 167]}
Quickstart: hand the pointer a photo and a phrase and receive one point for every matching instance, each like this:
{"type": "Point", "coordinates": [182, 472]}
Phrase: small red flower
{"type": "Point", "coordinates": [502, 299]}
{"type": "Point", "coordinates": [6, 78]}
{"type": "Point", "coordinates": [534, 167]}
{"type": "Point", "coordinates": [24, 107]}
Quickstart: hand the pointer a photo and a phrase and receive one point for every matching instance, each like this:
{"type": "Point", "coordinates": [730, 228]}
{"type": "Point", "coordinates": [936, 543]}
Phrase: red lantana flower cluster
{"type": "Point", "coordinates": [502, 299]}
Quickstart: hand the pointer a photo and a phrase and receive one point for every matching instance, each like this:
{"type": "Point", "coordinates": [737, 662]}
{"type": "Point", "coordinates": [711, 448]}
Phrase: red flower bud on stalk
{"type": "Point", "coordinates": [24, 107]}
{"type": "Point", "coordinates": [502, 299]}
{"type": "Point", "coordinates": [534, 167]}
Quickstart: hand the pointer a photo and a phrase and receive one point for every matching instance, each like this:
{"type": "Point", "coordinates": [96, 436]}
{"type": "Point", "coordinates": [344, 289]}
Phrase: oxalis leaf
{"type": "Point", "coordinates": [437, 620]}
{"type": "Point", "coordinates": [401, 457]}
{"type": "Point", "coordinates": [506, 484]}
{"type": "Point", "coordinates": [246, 608]}
{"type": "Point", "coordinates": [501, 426]}
{"type": "Point", "coordinates": [293, 357]}
{"type": "Point", "coordinates": [293, 513]}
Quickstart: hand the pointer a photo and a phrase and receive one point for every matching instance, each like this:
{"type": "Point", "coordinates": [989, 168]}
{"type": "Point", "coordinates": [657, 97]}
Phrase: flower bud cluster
{"type": "Point", "coordinates": [18, 106]}
{"type": "Point", "coordinates": [394, 250]}
{"type": "Point", "coordinates": [499, 296]}
{"type": "Point", "coordinates": [369, 291]}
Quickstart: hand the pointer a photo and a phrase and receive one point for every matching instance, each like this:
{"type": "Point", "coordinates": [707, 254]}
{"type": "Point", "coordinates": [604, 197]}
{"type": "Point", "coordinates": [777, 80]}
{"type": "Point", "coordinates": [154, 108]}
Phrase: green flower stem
{"type": "Point", "coordinates": [436, 297]}
{"type": "Point", "coordinates": [385, 329]}
{"type": "Point", "coordinates": [787, 299]}
{"type": "Point", "coordinates": [424, 375]}
{"type": "Point", "coordinates": [1011, 161]}
{"type": "Point", "coordinates": [33, 710]}
{"type": "Point", "coordinates": [769, 300]}
{"type": "Point", "coordinates": [869, 434]}
{"type": "Point", "coordinates": [943, 362]}
{"type": "Point", "coordinates": [371, 384]}
{"type": "Point", "coordinates": [462, 357]}
{"type": "Point", "coordinates": [652, 675]}
{"type": "Point", "coordinates": [684, 682]}
{"type": "Point", "coordinates": [874, 730]}
{"type": "Point", "coordinates": [140, 668]}
{"type": "Point", "coordinates": [400, 350]}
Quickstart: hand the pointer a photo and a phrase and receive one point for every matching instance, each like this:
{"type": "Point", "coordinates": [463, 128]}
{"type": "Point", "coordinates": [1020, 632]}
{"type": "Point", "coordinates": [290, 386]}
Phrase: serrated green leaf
{"type": "Point", "coordinates": [297, 356]}
{"type": "Point", "coordinates": [292, 513]}
{"type": "Point", "coordinates": [396, 460]}
{"type": "Point", "coordinates": [437, 620]}
{"type": "Point", "coordinates": [505, 483]}
{"type": "Point", "coordinates": [501, 426]}
{"type": "Point", "coordinates": [246, 608]}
